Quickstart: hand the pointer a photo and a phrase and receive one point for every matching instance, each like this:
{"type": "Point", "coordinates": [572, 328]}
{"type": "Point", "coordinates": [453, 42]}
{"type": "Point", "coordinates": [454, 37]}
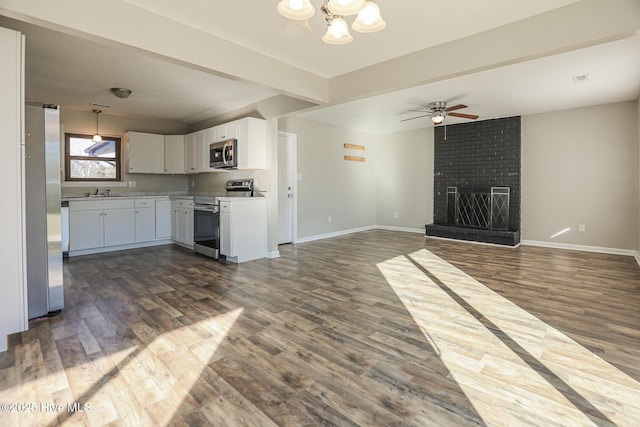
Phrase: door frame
{"type": "Point", "coordinates": [293, 167]}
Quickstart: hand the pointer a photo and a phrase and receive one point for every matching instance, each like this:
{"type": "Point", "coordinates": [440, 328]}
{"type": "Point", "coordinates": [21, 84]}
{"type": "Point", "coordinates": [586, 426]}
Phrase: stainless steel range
{"type": "Point", "coordinates": [206, 216]}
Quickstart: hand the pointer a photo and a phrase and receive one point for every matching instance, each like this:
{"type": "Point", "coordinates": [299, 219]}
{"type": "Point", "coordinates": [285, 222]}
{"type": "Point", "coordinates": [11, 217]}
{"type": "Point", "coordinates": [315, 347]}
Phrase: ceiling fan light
{"type": "Point", "coordinates": [369, 19]}
{"type": "Point", "coordinates": [345, 7]}
{"type": "Point", "coordinates": [437, 117]}
{"type": "Point", "coordinates": [296, 9]}
{"type": "Point", "coordinates": [337, 32]}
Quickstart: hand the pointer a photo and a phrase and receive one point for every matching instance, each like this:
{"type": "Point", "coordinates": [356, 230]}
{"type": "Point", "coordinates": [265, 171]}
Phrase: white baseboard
{"type": "Point", "coordinates": [599, 249]}
{"type": "Point", "coordinates": [637, 256]}
{"type": "Point", "coordinates": [334, 234]}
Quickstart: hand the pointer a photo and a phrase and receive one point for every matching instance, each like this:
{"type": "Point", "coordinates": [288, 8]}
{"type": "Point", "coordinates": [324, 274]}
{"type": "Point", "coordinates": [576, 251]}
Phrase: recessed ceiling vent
{"type": "Point", "coordinates": [581, 78]}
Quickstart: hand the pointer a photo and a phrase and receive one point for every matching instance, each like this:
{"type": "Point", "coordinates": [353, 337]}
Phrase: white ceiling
{"type": "Point", "coordinates": [73, 71]}
{"type": "Point", "coordinates": [535, 86]}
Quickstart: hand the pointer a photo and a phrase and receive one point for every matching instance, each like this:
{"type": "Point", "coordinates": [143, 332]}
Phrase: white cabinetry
{"type": "Point", "coordinates": [243, 228]}
{"type": "Point", "coordinates": [190, 153]}
{"type": "Point", "coordinates": [202, 151]}
{"type": "Point", "coordinates": [182, 221]}
{"type": "Point", "coordinates": [13, 296]}
{"type": "Point", "coordinates": [225, 131]}
{"type": "Point", "coordinates": [152, 153]}
{"type": "Point", "coordinates": [101, 223]}
{"type": "Point", "coordinates": [146, 152]}
{"type": "Point", "coordinates": [252, 143]}
{"type": "Point", "coordinates": [174, 151]}
{"type": "Point", "coordinates": [163, 218]}
{"type": "Point", "coordinates": [145, 220]}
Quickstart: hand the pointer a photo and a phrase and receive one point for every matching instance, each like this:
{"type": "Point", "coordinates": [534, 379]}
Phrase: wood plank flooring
{"type": "Point", "coordinates": [377, 328]}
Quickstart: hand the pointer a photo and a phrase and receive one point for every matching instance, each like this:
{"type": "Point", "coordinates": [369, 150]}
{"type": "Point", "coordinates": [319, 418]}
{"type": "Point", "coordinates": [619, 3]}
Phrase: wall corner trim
{"type": "Point", "coordinates": [273, 254]}
{"type": "Point", "coordinates": [636, 255]}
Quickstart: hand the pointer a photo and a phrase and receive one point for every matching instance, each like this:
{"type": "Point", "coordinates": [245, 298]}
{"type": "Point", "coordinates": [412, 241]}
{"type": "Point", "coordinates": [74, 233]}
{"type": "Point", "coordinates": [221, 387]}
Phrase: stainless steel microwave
{"type": "Point", "coordinates": [223, 154]}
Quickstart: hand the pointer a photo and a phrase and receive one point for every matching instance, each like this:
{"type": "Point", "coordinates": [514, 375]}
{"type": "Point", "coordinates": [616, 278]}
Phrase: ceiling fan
{"type": "Point", "coordinates": [438, 111]}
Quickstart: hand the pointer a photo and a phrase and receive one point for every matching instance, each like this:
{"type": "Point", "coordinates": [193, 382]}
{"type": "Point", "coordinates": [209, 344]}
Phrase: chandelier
{"type": "Point", "coordinates": [299, 12]}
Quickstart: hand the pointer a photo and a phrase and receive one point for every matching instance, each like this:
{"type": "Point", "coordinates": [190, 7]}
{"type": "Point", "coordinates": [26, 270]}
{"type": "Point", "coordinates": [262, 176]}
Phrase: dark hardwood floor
{"type": "Point", "coordinates": [377, 328]}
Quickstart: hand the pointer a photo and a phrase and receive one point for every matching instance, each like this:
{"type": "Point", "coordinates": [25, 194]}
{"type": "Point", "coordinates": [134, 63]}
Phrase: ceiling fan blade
{"type": "Point", "coordinates": [417, 117]}
{"type": "Point", "coordinates": [464, 116]}
{"type": "Point", "coordinates": [455, 107]}
{"type": "Point", "coordinates": [420, 111]}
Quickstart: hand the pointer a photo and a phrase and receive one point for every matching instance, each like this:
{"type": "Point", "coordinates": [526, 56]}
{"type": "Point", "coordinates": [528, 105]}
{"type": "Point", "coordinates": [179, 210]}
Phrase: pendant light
{"type": "Point", "coordinates": [296, 9]}
{"type": "Point", "coordinates": [345, 7]}
{"type": "Point", "coordinates": [337, 31]}
{"type": "Point", "coordinates": [97, 137]}
{"type": "Point", "coordinates": [369, 19]}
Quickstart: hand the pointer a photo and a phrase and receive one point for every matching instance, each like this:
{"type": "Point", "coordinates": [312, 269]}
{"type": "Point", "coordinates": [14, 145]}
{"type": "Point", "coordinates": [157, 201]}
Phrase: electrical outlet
{"type": "Point", "coordinates": [582, 228]}
{"type": "Point", "coordinates": [395, 214]}
{"type": "Point", "coordinates": [132, 183]}
{"type": "Point", "coordinates": [329, 219]}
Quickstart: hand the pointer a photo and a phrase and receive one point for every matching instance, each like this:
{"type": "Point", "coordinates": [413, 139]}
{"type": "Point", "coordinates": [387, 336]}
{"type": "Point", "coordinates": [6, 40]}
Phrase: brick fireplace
{"type": "Point", "coordinates": [477, 182]}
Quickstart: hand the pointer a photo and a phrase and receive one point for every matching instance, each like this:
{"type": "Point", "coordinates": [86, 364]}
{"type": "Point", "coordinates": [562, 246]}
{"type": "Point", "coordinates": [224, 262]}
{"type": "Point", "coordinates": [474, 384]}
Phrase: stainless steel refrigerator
{"type": "Point", "coordinates": [42, 210]}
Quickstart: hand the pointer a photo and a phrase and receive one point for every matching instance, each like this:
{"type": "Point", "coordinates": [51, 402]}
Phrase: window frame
{"type": "Point", "coordinates": [68, 158]}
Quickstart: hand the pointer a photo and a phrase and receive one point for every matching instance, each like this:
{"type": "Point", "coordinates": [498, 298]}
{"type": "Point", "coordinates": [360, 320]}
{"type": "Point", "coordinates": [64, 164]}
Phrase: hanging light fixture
{"type": "Point", "coordinates": [296, 9]}
{"type": "Point", "coordinates": [337, 29]}
{"type": "Point", "coordinates": [97, 137]}
{"type": "Point", "coordinates": [367, 21]}
{"type": "Point", "coordinates": [345, 7]}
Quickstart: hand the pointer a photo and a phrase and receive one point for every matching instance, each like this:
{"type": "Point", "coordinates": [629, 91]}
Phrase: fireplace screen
{"type": "Point", "coordinates": [479, 209]}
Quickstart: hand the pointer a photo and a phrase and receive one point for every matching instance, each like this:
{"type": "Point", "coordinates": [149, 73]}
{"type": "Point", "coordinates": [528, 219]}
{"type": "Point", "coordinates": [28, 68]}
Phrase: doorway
{"type": "Point", "coordinates": [287, 188]}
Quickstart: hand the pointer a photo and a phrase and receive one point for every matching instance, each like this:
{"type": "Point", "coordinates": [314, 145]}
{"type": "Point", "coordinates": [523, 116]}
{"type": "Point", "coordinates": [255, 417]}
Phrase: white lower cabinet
{"type": "Point", "coordinates": [243, 228]}
{"type": "Point", "coordinates": [163, 219]}
{"type": "Point", "coordinates": [101, 223]}
{"type": "Point", "coordinates": [118, 227]}
{"type": "Point", "coordinates": [86, 229]}
{"type": "Point", "coordinates": [145, 220]}
{"type": "Point", "coordinates": [182, 221]}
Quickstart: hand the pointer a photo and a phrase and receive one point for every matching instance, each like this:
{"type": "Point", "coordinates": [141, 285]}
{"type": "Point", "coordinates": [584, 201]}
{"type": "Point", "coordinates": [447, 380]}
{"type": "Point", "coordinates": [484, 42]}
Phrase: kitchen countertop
{"type": "Point", "coordinates": [122, 196]}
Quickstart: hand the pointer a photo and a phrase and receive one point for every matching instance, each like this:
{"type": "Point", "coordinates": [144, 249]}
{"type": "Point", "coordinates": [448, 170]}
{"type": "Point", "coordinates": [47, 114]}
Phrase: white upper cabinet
{"type": "Point", "coordinates": [146, 152]}
{"type": "Point", "coordinates": [225, 131]}
{"type": "Point", "coordinates": [190, 153]}
{"type": "Point", "coordinates": [252, 143]}
{"type": "Point", "coordinates": [174, 151]}
{"type": "Point", "coordinates": [202, 152]}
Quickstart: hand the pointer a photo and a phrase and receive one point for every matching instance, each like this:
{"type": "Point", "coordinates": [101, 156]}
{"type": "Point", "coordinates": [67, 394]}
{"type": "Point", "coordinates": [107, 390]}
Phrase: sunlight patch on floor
{"type": "Point", "coordinates": [494, 369]}
{"type": "Point", "coordinates": [157, 376]}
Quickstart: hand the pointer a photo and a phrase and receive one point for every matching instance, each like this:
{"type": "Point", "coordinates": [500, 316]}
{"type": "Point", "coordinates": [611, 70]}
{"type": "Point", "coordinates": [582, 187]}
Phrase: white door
{"type": "Point", "coordinates": [287, 167]}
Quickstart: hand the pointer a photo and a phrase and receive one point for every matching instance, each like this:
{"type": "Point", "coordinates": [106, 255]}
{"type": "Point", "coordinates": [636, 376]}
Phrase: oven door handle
{"type": "Point", "coordinates": [213, 209]}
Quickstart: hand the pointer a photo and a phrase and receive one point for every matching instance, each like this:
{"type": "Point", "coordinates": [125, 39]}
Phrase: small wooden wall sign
{"type": "Point", "coordinates": [354, 147]}
{"type": "Point", "coordinates": [354, 158]}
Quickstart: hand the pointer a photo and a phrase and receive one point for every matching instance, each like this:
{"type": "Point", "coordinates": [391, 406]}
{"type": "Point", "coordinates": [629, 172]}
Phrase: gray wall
{"type": "Point", "coordinates": [404, 179]}
{"type": "Point", "coordinates": [581, 167]}
{"type": "Point", "coordinates": [331, 186]}
{"type": "Point", "coordinates": [76, 121]}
